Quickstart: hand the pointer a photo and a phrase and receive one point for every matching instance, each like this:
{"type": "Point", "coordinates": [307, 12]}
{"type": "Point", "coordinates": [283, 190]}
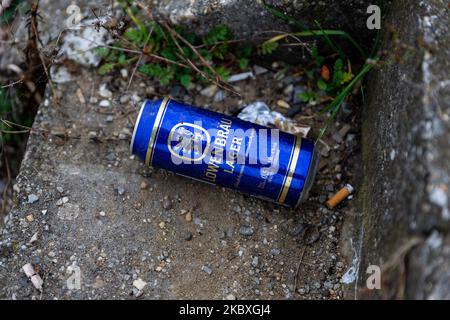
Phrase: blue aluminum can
{"type": "Point", "coordinates": [226, 151]}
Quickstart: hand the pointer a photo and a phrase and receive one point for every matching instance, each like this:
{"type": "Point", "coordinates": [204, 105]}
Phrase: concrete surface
{"type": "Point", "coordinates": [406, 161]}
{"type": "Point", "coordinates": [249, 18]}
{"type": "Point", "coordinates": [83, 202]}
{"type": "Point", "coordinates": [96, 223]}
{"type": "Point", "coordinates": [84, 205]}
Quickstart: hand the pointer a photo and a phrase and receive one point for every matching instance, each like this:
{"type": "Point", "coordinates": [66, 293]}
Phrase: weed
{"type": "Point", "coordinates": [324, 80]}
{"type": "Point", "coordinates": [5, 110]}
{"type": "Point", "coordinates": [6, 15]}
{"type": "Point", "coordinates": [7, 119]}
{"type": "Point", "coordinates": [172, 54]}
{"type": "Point", "coordinates": [340, 84]}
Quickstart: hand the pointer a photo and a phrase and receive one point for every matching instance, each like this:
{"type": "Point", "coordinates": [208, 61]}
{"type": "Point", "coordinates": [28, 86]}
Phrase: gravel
{"type": "Point", "coordinates": [32, 198]}
{"type": "Point", "coordinates": [111, 156]}
{"type": "Point", "coordinates": [246, 231]}
{"type": "Point", "coordinates": [207, 270]}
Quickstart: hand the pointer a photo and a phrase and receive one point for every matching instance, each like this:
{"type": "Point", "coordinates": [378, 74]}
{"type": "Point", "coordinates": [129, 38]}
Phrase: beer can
{"type": "Point", "coordinates": [223, 150]}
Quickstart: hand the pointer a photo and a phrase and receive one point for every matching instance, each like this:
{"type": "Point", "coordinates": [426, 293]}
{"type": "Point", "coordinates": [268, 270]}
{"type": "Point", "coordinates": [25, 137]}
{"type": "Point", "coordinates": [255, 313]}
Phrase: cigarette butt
{"type": "Point", "coordinates": [29, 270]}
{"type": "Point", "coordinates": [35, 279]}
{"type": "Point", "coordinates": [339, 196]}
{"type": "Point", "coordinates": [37, 282]}
{"type": "Point", "coordinates": [80, 96]}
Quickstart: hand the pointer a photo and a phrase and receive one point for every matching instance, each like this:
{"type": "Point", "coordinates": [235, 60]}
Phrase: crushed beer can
{"type": "Point", "coordinates": [223, 150]}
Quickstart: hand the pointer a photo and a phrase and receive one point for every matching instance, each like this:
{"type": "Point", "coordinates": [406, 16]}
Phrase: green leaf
{"type": "Point", "coordinates": [191, 38]}
{"type": "Point", "coordinates": [347, 77]}
{"type": "Point", "coordinates": [122, 59]}
{"type": "Point", "coordinates": [268, 47]}
{"type": "Point", "coordinates": [10, 12]}
{"type": "Point", "coordinates": [5, 102]}
{"type": "Point", "coordinates": [244, 52]}
{"type": "Point", "coordinates": [243, 63]}
{"type": "Point", "coordinates": [169, 53]}
{"type": "Point", "coordinates": [102, 52]}
{"type": "Point", "coordinates": [316, 56]}
{"type": "Point", "coordinates": [186, 80]}
{"type": "Point", "coordinates": [158, 31]}
{"type": "Point", "coordinates": [220, 51]}
{"type": "Point", "coordinates": [304, 96]}
{"type": "Point", "coordinates": [106, 68]}
{"type": "Point", "coordinates": [166, 76]}
{"type": "Point", "coordinates": [223, 72]}
{"type": "Point", "coordinates": [206, 54]}
{"type": "Point", "coordinates": [337, 72]}
{"type": "Point", "coordinates": [322, 85]}
{"type": "Point", "coordinates": [217, 34]}
{"type": "Point", "coordinates": [133, 34]}
{"type": "Point", "coordinates": [150, 70]}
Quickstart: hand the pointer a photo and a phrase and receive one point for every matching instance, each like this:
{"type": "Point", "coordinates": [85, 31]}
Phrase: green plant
{"type": "Point", "coordinates": [171, 54]}
{"type": "Point", "coordinates": [343, 81]}
{"type": "Point", "coordinates": [334, 107]}
{"type": "Point", "coordinates": [307, 32]}
{"type": "Point", "coordinates": [11, 125]}
{"type": "Point", "coordinates": [5, 111]}
{"type": "Point", "coordinates": [323, 80]}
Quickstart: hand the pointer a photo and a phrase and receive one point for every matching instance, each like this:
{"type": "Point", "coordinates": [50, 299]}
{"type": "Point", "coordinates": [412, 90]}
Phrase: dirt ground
{"type": "Point", "coordinates": [136, 232]}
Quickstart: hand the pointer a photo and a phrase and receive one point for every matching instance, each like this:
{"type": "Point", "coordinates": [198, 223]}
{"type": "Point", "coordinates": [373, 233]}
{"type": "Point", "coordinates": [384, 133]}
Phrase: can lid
{"type": "Point", "coordinates": [314, 165]}
{"type": "Point", "coordinates": [136, 125]}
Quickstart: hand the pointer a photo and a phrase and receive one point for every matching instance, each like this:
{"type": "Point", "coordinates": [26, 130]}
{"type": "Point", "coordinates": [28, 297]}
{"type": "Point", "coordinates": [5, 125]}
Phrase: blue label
{"type": "Point", "coordinates": [223, 150]}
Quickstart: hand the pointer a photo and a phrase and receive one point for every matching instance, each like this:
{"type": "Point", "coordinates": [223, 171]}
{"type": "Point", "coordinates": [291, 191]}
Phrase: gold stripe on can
{"type": "Point", "coordinates": [155, 131]}
{"type": "Point", "coordinates": [291, 171]}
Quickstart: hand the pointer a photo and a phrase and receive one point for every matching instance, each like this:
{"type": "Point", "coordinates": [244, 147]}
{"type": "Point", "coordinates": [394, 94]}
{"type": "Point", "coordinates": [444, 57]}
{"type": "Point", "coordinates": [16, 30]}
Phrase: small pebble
{"type": "Point", "coordinates": [124, 73]}
{"type": "Point", "coordinates": [139, 284]}
{"type": "Point", "coordinates": [111, 156]}
{"type": "Point", "coordinates": [275, 252]}
{"type": "Point", "coordinates": [104, 92]}
{"type": "Point", "coordinates": [34, 238]}
{"type": "Point", "coordinates": [299, 229]}
{"type": "Point", "coordinates": [207, 269]}
{"type": "Point", "coordinates": [120, 190]}
{"type": "Point", "coordinates": [144, 185]}
{"type": "Point", "coordinates": [188, 217]}
{"type": "Point", "coordinates": [209, 91]}
{"type": "Point", "coordinates": [167, 204]}
{"type": "Point", "coordinates": [288, 90]}
{"type": "Point", "coordinates": [124, 99]}
{"type": "Point", "coordinates": [255, 262]}
{"type": "Point", "coordinates": [230, 297]}
{"type": "Point", "coordinates": [219, 96]}
{"type": "Point", "coordinates": [188, 236]}
{"type": "Point", "coordinates": [283, 104]}
{"type": "Point", "coordinates": [32, 198]}
{"type": "Point", "coordinates": [259, 70]}
{"type": "Point", "coordinates": [104, 103]}
{"type": "Point", "coordinates": [240, 77]}
{"type": "Point", "coordinates": [246, 231]}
